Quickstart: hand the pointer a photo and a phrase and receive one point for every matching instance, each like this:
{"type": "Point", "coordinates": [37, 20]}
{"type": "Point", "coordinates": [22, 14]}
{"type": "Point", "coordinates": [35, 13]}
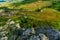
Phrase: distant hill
{"type": "Point", "coordinates": [13, 0]}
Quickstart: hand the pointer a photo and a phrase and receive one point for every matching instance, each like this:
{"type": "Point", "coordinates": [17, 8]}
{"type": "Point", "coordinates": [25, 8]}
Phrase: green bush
{"type": "Point", "coordinates": [3, 20]}
{"type": "Point", "coordinates": [23, 2]}
{"type": "Point", "coordinates": [56, 6]}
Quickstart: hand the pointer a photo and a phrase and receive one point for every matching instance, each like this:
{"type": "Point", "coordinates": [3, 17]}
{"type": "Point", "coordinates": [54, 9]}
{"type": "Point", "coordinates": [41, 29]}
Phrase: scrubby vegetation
{"type": "Point", "coordinates": [36, 11]}
{"type": "Point", "coordinates": [29, 14]}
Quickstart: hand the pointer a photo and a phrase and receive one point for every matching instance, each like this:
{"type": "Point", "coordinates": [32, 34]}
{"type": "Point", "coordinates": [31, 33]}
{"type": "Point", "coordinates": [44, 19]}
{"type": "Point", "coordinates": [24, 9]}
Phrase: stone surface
{"type": "Point", "coordinates": [15, 32]}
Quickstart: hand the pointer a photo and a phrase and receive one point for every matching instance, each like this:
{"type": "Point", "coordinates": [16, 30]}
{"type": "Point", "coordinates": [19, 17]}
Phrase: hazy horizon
{"type": "Point", "coordinates": [11, 0]}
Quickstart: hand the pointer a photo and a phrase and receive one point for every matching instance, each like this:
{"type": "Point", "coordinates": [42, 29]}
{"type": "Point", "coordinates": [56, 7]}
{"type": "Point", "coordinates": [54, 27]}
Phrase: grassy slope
{"type": "Point", "coordinates": [46, 17]}
{"type": "Point", "coordinates": [35, 5]}
{"type": "Point", "coordinates": [28, 6]}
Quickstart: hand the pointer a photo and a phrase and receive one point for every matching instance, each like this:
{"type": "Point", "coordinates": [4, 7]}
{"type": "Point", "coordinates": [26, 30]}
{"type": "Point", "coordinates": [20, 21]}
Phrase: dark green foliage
{"type": "Point", "coordinates": [56, 6]}
{"type": "Point", "coordinates": [23, 2]}
{"type": "Point", "coordinates": [3, 20]}
{"type": "Point", "coordinates": [45, 0]}
{"type": "Point", "coordinates": [38, 10]}
{"type": "Point", "coordinates": [25, 22]}
{"type": "Point", "coordinates": [5, 8]}
{"type": "Point", "coordinates": [29, 1]}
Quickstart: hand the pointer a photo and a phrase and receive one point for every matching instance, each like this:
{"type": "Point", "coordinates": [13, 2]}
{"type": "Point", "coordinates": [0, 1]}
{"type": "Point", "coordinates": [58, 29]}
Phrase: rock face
{"type": "Point", "coordinates": [49, 32]}
{"type": "Point", "coordinates": [14, 31]}
{"type": "Point", "coordinates": [29, 35]}
{"type": "Point", "coordinates": [34, 37]}
{"type": "Point", "coordinates": [39, 37]}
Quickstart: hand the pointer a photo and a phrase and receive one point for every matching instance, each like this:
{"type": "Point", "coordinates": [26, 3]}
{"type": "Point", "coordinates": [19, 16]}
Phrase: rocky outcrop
{"type": "Point", "coordinates": [13, 31]}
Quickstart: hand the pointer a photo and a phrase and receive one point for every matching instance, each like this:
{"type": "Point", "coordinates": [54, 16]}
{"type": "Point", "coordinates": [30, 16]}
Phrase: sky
{"type": "Point", "coordinates": [10, 0]}
{"type": "Point", "coordinates": [2, 0]}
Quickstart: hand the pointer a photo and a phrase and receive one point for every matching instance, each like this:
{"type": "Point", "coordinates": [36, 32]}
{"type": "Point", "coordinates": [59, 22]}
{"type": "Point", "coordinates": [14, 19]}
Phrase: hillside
{"type": "Point", "coordinates": [39, 10]}
{"type": "Point", "coordinates": [30, 20]}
